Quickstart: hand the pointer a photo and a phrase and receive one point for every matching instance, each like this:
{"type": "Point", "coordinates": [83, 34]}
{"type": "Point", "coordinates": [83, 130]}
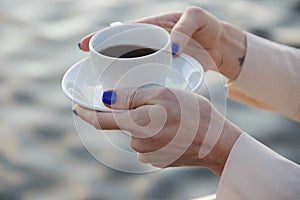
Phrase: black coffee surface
{"type": "Point", "coordinates": [127, 51]}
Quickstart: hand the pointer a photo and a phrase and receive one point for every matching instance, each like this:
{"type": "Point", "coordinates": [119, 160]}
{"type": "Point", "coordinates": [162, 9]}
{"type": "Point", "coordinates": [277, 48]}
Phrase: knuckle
{"type": "Point", "coordinates": [193, 10]}
{"type": "Point", "coordinates": [96, 124]}
{"type": "Point", "coordinates": [158, 165]}
{"type": "Point", "coordinates": [206, 103]}
{"type": "Point", "coordinates": [163, 92]}
{"type": "Point", "coordinates": [135, 144]}
{"type": "Point", "coordinates": [139, 145]}
{"type": "Point", "coordinates": [142, 158]}
{"type": "Point", "coordinates": [140, 117]}
{"type": "Point", "coordinates": [130, 98]}
{"type": "Point", "coordinates": [182, 28]}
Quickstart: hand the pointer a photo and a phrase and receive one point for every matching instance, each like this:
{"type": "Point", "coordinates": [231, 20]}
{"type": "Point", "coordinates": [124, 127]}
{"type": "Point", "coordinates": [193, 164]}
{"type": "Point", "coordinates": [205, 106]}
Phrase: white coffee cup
{"type": "Point", "coordinates": [115, 72]}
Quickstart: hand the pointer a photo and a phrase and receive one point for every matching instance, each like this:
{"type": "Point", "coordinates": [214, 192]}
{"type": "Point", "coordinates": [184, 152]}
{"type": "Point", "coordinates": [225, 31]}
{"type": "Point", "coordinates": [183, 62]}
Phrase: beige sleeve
{"type": "Point", "coordinates": [253, 171]}
{"type": "Point", "coordinates": [270, 77]}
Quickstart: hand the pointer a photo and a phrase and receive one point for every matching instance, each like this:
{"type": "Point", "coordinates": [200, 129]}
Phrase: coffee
{"type": "Point", "coordinates": [127, 51]}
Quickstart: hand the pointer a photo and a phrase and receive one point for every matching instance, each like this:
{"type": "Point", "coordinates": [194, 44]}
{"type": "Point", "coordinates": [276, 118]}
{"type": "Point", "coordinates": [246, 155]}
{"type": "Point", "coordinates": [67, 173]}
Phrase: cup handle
{"type": "Point", "coordinates": [113, 24]}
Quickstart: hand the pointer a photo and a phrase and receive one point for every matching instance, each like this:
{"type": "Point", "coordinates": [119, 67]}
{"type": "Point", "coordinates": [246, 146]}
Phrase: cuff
{"type": "Point", "coordinates": [253, 171]}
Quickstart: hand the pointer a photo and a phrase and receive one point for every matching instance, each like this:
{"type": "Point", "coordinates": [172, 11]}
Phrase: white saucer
{"type": "Point", "coordinates": [82, 86]}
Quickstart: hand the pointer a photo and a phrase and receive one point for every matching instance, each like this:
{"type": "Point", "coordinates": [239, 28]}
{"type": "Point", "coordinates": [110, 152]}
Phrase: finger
{"type": "Point", "coordinates": [192, 19]}
{"type": "Point", "coordinates": [84, 43]}
{"type": "Point", "coordinates": [125, 99]}
{"type": "Point", "coordinates": [107, 120]}
{"type": "Point", "coordinates": [100, 120]}
{"type": "Point", "coordinates": [132, 120]}
{"type": "Point", "coordinates": [166, 21]}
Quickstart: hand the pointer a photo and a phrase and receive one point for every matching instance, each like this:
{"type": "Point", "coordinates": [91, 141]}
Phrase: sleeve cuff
{"type": "Point", "coordinates": [253, 171]}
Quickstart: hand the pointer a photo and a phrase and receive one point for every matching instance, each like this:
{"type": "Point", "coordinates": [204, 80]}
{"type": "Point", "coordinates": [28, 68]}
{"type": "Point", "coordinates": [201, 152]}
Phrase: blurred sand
{"type": "Point", "coordinates": [41, 155]}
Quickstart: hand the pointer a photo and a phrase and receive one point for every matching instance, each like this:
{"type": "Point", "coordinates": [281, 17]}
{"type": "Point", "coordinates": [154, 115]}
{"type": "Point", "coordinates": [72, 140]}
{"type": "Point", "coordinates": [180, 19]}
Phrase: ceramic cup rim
{"type": "Point", "coordinates": [130, 27]}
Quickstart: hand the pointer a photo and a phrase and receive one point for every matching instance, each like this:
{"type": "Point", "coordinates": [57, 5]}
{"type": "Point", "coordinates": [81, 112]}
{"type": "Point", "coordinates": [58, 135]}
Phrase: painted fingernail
{"type": "Point", "coordinates": [74, 112]}
{"type": "Point", "coordinates": [175, 48]}
{"type": "Point", "coordinates": [79, 45]}
{"type": "Point", "coordinates": [109, 97]}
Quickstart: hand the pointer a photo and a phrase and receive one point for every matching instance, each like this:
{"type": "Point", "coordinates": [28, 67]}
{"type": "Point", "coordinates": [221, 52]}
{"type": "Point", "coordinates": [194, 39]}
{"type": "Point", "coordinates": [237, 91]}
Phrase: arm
{"type": "Point", "coordinates": [270, 79]}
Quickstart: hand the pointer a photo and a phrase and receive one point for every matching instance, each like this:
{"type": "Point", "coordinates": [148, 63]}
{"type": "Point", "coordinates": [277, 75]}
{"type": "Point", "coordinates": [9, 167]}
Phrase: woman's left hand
{"type": "Point", "coordinates": [217, 45]}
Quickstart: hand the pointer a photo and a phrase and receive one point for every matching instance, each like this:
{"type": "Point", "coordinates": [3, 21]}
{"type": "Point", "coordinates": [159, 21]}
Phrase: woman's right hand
{"type": "Point", "coordinates": [217, 45]}
{"type": "Point", "coordinates": [168, 127]}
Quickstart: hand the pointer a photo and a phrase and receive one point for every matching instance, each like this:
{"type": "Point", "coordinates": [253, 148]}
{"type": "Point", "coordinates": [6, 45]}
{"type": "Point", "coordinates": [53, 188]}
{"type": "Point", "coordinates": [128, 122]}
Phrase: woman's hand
{"type": "Point", "coordinates": [217, 45]}
{"type": "Point", "coordinates": [168, 127]}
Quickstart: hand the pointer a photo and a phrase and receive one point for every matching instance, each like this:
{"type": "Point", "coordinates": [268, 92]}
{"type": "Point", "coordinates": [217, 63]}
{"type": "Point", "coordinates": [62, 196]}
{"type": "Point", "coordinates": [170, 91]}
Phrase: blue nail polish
{"type": "Point", "coordinates": [175, 48]}
{"type": "Point", "coordinates": [79, 45]}
{"type": "Point", "coordinates": [74, 112]}
{"type": "Point", "coordinates": [109, 97]}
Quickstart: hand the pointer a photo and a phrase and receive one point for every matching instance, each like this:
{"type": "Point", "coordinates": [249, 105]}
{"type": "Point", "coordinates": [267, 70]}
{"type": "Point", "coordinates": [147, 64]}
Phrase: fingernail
{"type": "Point", "coordinates": [79, 45]}
{"type": "Point", "coordinates": [175, 48]}
{"type": "Point", "coordinates": [109, 97]}
{"type": "Point", "coordinates": [74, 112]}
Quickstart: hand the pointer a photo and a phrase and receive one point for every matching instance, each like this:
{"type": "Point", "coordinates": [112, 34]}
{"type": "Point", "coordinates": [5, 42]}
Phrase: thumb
{"type": "Point", "coordinates": [126, 99]}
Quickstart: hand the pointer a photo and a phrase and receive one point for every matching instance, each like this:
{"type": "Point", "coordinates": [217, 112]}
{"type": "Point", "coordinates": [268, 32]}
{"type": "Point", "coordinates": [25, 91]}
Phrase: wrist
{"type": "Point", "coordinates": [233, 50]}
{"type": "Point", "coordinates": [217, 158]}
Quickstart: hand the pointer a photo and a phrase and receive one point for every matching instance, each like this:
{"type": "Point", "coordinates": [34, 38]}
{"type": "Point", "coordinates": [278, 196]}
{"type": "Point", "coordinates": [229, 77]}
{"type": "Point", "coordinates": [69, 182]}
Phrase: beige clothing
{"type": "Point", "coordinates": [270, 79]}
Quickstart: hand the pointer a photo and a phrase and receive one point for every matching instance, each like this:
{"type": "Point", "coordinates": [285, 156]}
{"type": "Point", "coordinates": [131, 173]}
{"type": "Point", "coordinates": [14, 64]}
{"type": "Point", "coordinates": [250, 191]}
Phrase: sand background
{"type": "Point", "coordinates": [41, 154]}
